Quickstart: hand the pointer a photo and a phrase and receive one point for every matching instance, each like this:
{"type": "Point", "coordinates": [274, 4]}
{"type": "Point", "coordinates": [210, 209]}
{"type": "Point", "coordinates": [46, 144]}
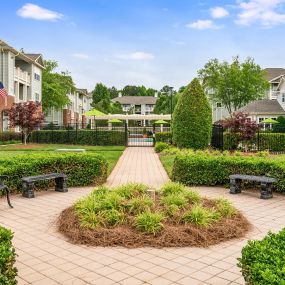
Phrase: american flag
{"type": "Point", "coordinates": [3, 91]}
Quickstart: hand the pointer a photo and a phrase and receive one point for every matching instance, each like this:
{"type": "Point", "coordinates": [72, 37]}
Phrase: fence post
{"type": "Point", "coordinates": [153, 135]}
{"type": "Point", "coordinates": [258, 140]}
{"type": "Point", "coordinates": [126, 134]}
{"type": "Point", "coordinates": [76, 132]}
{"type": "Point", "coordinates": [52, 139]}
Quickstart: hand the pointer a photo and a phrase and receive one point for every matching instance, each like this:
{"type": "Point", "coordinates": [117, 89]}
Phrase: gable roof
{"type": "Point", "coordinates": [264, 106]}
{"type": "Point", "coordinates": [83, 91]}
{"type": "Point", "coordinates": [273, 73]}
{"type": "Point", "coordinates": [135, 100]}
{"type": "Point", "coordinates": [31, 58]}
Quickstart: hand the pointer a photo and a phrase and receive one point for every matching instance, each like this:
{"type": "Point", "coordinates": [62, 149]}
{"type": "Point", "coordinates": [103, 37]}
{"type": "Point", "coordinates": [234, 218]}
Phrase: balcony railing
{"type": "Point", "coordinates": [22, 76]}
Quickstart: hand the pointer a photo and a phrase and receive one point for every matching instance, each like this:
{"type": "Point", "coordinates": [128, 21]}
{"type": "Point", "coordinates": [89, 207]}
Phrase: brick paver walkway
{"type": "Point", "coordinates": [45, 257]}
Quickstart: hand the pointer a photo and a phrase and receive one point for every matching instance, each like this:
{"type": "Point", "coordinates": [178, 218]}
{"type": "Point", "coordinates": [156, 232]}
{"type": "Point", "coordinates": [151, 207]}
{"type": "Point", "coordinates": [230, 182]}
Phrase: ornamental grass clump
{"type": "Point", "coordinates": [140, 204]}
{"type": "Point", "coordinates": [128, 216]}
{"type": "Point", "coordinates": [150, 223]}
{"type": "Point", "coordinates": [200, 216]}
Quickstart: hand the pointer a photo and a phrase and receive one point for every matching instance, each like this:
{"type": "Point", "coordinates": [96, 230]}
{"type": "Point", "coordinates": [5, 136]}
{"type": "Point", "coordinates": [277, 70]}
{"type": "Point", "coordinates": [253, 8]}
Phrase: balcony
{"type": "Point", "coordinates": [22, 76]}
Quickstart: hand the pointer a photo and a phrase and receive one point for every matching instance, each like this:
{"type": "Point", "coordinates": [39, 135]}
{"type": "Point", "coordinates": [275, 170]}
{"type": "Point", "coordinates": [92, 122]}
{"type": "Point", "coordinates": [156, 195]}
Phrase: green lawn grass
{"type": "Point", "coordinates": [111, 153]}
{"type": "Point", "coordinates": [167, 162]}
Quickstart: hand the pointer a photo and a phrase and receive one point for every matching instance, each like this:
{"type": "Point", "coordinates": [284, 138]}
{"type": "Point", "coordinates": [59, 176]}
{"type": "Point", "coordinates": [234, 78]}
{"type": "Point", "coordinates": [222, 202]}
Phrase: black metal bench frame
{"type": "Point", "coordinates": [5, 188]}
{"type": "Point", "coordinates": [265, 182]}
{"type": "Point", "coordinates": [28, 183]}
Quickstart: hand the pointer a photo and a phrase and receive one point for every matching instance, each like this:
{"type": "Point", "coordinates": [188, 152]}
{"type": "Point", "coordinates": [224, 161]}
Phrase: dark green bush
{"type": "Point", "coordinates": [81, 137]}
{"type": "Point", "coordinates": [207, 169]}
{"type": "Point", "coordinates": [163, 137]}
{"type": "Point", "coordinates": [262, 262]}
{"type": "Point", "coordinates": [81, 169]}
{"type": "Point", "coordinates": [192, 118]}
{"type": "Point", "coordinates": [10, 136]}
{"type": "Point", "coordinates": [160, 146]}
{"type": "Point", "coordinates": [8, 272]}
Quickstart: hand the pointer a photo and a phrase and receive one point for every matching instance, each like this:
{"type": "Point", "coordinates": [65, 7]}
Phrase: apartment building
{"type": "Point", "coordinates": [21, 74]}
{"type": "Point", "coordinates": [71, 114]}
{"type": "Point", "coordinates": [143, 105]}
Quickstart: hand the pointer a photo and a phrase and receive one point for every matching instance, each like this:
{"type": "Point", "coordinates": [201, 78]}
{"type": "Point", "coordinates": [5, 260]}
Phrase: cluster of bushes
{"type": "Point", "coordinates": [8, 272]}
{"type": "Point", "coordinates": [81, 169]}
{"type": "Point", "coordinates": [262, 262]}
{"type": "Point", "coordinates": [262, 141]}
{"type": "Point", "coordinates": [206, 168]}
{"type": "Point", "coordinates": [161, 146]}
{"type": "Point", "coordinates": [165, 137]}
{"type": "Point", "coordinates": [81, 137]}
{"type": "Point", "coordinates": [10, 137]}
{"type": "Point", "coordinates": [130, 205]}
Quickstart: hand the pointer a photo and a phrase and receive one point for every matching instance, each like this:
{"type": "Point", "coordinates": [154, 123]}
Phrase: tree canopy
{"type": "Point", "coordinates": [55, 87]}
{"type": "Point", "coordinates": [132, 90]}
{"type": "Point", "coordinates": [233, 84]}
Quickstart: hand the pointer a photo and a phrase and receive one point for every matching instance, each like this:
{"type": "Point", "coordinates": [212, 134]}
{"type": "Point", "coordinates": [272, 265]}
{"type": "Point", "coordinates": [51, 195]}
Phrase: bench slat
{"type": "Point", "coordinates": [253, 178]}
{"type": "Point", "coordinates": [43, 177]}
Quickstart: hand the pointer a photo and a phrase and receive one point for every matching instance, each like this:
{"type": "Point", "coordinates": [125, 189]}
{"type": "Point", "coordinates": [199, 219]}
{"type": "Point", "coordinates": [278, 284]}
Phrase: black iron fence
{"type": "Point", "coordinates": [264, 139]}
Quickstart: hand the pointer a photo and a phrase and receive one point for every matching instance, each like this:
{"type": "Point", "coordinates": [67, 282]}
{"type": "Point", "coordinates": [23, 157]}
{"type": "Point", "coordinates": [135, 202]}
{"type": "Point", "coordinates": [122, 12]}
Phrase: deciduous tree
{"type": "Point", "coordinates": [56, 86]}
{"type": "Point", "coordinates": [27, 116]}
{"type": "Point", "coordinates": [233, 84]}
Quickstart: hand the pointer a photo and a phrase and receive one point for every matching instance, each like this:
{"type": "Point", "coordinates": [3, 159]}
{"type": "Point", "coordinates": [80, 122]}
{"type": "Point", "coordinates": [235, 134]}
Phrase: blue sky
{"type": "Point", "coordinates": [144, 42]}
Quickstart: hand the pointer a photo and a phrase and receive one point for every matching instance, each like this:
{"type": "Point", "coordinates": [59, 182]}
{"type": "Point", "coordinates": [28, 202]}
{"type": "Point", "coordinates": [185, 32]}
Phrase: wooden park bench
{"type": "Point", "coordinates": [265, 182]}
{"type": "Point", "coordinates": [28, 183]}
{"type": "Point", "coordinates": [5, 188]}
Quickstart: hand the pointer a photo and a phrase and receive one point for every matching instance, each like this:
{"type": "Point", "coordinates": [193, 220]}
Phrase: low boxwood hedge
{"type": "Point", "coordinates": [80, 137]}
{"type": "Point", "coordinates": [206, 169]}
{"type": "Point", "coordinates": [8, 272]}
{"type": "Point", "coordinates": [262, 262]}
{"type": "Point", "coordinates": [163, 137]}
{"type": "Point", "coordinates": [81, 169]}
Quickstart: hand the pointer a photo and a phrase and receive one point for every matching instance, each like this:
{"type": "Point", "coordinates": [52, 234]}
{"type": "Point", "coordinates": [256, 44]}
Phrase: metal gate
{"type": "Point", "coordinates": [217, 137]}
{"type": "Point", "coordinates": [141, 136]}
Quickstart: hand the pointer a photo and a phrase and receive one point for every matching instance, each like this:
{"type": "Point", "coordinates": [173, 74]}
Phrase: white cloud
{"type": "Point", "coordinates": [139, 55]}
{"type": "Point", "coordinates": [36, 12]}
{"type": "Point", "coordinates": [219, 12]}
{"type": "Point", "coordinates": [80, 55]}
{"type": "Point", "coordinates": [266, 12]}
{"type": "Point", "coordinates": [202, 25]}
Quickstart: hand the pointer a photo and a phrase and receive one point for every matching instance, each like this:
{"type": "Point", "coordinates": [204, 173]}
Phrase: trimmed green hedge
{"type": "Point", "coordinates": [8, 272]}
{"type": "Point", "coordinates": [80, 137]}
{"type": "Point", "coordinates": [163, 137]}
{"type": "Point", "coordinates": [262, 141]}
{"type": "Point", "coordinates": [263, 261]}
{"type": "Point", "coordinates": [207, 169]}
{"type": "Point", "coordinates": [10, 136]}
{"type": "Point", "coordinates": [160, 146]}
{"type": "Point", "coordinates": [81, 169]}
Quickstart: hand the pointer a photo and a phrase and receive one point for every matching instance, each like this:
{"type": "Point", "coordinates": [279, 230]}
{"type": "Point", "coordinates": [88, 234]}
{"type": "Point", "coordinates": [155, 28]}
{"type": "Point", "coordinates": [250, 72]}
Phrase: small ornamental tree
{"type": "Point", "coordinates": [192, 118]}
{"type": "Point", "coordinates": [27, 116]}
{"type": "Point", "coordinates": [241, 126]}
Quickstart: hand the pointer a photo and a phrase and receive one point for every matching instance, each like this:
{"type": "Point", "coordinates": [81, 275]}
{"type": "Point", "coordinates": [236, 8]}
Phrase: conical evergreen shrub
{"type": "Point", "coordinates": [192, 118]}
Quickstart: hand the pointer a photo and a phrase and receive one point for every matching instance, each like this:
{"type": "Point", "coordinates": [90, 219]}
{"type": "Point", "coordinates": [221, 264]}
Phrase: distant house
{"type": "Point", "coordinates": [72, 113]}
{"type": "Point", "coordinates": [143, 105]}
{"type": "Point", "coordinates": [21, 75]}
{"type": "Point", "coordinates": [272, 106]}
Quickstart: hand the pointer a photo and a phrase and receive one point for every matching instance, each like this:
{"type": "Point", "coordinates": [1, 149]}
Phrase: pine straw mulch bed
{"type": "Point", "coordinates": [173, 235]}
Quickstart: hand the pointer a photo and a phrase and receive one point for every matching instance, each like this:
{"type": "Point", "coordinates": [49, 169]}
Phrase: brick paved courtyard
{"type": "Point", "coordinates": [45, 257]}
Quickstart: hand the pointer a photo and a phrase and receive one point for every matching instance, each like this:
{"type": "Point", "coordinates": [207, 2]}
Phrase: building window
{"type": "Point", "coordinates": [219, 105]}
{"type": "Point", "coordinates": [283, 98]}
{"type": "Point", "coordinates": [260, 120]}
{"type": "Point", "coordinates": [37, 97]}
{"type": "Point", "coordinates": [37, 76]}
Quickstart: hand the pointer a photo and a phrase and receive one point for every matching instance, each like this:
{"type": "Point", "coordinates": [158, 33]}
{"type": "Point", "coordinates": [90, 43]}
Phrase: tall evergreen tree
{"type": "Point", "coordinates": [192, 118]}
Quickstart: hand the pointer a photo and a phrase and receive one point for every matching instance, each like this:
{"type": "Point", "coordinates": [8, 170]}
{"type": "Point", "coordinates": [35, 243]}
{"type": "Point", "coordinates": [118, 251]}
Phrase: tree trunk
{"type": "Point", "coordinates": [25, 138]}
